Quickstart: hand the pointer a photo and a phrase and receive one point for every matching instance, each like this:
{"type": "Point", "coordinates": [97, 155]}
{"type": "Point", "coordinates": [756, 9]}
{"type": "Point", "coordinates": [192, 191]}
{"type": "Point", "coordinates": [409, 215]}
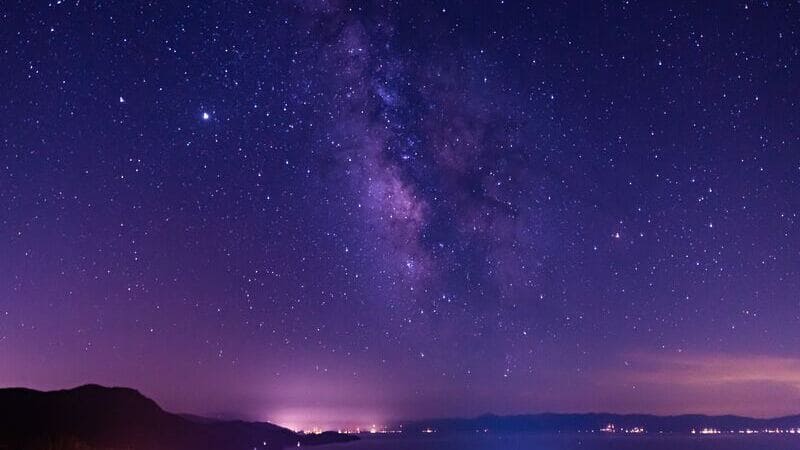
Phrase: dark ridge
{"type": "Point", "coordinates": [550, 422]}
{"type": "Point", "coordinates": [94, 417]}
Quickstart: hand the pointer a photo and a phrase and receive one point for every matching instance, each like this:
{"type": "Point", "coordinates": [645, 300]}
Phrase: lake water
{"type": "Point", "coordinates": [526, 441]}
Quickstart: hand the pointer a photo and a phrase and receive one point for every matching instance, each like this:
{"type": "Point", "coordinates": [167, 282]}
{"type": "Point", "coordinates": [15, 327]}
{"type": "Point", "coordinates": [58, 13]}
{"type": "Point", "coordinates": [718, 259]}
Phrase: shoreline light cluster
{"type": "Point", "coordinates": [707, 431]}
{"type": "Point", "coordinates": [608, 429]}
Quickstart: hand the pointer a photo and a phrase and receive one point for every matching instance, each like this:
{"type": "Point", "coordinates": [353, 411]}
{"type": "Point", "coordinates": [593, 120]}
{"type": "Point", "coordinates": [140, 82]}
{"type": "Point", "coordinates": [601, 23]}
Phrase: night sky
{"type": "Point", "coordinates": [321, 213]}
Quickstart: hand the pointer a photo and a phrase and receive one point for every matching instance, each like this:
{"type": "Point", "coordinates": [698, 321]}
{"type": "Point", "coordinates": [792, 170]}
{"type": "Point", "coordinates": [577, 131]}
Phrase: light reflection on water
{"type": "Point", "coordinates": [530, 441]}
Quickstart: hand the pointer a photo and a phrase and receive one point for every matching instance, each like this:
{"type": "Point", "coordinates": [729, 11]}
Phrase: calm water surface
{"type": "Point", "coordinates": [525, 441]}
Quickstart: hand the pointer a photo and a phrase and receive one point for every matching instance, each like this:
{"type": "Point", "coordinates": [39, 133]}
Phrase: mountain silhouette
{"type": "Point", "coordinates": [94, 417]}
{"type": "Point", "coordinates": [550, 422]}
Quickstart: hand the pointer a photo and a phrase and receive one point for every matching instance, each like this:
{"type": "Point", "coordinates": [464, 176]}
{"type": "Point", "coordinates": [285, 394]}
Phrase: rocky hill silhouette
{"type": "Point", "coordinates": [94, 417]}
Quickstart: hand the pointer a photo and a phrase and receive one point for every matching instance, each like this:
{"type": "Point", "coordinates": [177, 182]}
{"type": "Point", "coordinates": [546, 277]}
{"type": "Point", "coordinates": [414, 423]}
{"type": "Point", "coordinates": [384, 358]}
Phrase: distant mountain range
{"type": "Point", "coordinates": [596, 422]}
{"type": "Point", "coordinates": [94, 417]}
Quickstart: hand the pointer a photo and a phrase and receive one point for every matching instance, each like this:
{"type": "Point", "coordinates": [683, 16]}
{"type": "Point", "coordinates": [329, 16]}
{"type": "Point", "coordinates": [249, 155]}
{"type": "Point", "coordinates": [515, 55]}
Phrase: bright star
{"type": "Point", "coordinates": [206, 116]}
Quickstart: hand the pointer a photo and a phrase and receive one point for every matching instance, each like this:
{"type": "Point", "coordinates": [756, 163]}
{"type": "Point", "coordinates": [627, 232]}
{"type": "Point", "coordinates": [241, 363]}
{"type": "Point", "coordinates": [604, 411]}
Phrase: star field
{"type": "Point", "coordinates": [342, 213]}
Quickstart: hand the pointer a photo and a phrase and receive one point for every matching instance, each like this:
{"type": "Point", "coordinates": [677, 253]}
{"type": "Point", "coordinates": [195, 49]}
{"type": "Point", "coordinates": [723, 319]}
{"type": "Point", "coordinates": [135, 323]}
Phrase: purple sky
{"type": "Point", "coordinates": [325, 214]}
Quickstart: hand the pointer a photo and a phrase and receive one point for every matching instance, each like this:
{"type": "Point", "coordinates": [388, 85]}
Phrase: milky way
{"type": "Point", "coordinates": [331, 213]}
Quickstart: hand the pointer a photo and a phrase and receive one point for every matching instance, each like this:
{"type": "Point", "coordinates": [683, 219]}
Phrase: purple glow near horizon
{"type": "Point", "coordinates": [326, 214]}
